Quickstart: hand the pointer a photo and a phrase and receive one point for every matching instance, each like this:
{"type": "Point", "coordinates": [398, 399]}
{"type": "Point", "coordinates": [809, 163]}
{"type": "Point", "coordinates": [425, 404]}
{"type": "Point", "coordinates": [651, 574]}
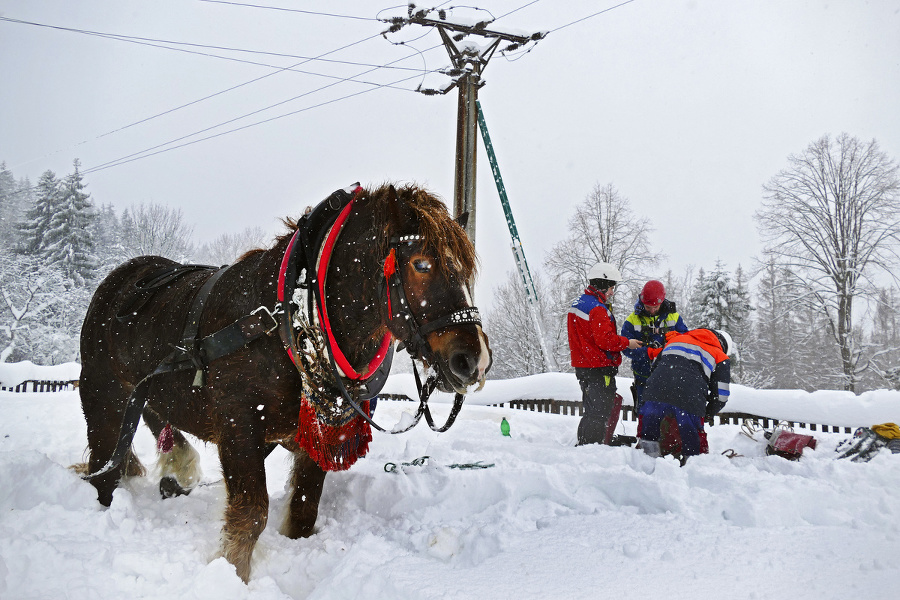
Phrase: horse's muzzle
{"type": "Point", "coordinates": [463, 359]}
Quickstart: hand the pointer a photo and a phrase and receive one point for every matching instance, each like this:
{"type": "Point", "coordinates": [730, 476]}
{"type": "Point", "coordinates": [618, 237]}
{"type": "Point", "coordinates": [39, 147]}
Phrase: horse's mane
{"type": "Point", "coordinates": [443, 236]}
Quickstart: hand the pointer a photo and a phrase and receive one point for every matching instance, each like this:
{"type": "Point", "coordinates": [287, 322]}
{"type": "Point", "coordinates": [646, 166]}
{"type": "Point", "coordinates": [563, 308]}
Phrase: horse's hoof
{"type": "Point", "coordinates": [169, 488]}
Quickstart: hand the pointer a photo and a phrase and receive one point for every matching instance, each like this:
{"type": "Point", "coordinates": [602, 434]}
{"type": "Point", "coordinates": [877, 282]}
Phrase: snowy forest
{"type": "Point", "coordinates": [818, 309]}
{"type": "Point", "coordinates": [57, 243]}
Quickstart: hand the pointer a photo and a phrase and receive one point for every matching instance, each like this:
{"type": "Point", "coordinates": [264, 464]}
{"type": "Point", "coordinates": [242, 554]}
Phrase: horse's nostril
{"type": "Point", "coordinates": [462, 364]}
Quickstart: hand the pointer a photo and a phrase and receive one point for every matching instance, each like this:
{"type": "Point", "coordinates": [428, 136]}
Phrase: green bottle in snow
{"type": "Point", "coordinates": [504, 427]}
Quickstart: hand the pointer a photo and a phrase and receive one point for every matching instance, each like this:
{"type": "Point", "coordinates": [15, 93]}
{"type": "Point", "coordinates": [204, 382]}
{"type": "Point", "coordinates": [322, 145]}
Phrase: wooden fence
{"type": "Point", "coordinates": [33, 385]}
{"type": "Point", "coordinates": [573, 407]}
{"type": "Point", "coordinates": [543, 405]}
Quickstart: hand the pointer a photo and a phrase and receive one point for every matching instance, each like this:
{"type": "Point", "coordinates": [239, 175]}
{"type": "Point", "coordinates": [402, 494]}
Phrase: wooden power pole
{"type": "Point", "coordinates": [469, 61]}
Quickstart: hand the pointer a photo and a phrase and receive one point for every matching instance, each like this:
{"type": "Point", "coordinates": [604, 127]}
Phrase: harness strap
{"type": "Point", "coordinates": [145, 286]}
{"type": "Point", "coordinates": [454, 412]}
{"type": "Point", "coordinates": [223, 342]}
{"type": "Point", "coordinates": [190, 345]}
{"type": "Point", "coordinates": [322, 271]}
{"type": "Point", "coordinates": [192, 324]}
{"type": "Point", "coordinates": [458, 317]}
{"type": "Point", "coordinates": [305, 266]}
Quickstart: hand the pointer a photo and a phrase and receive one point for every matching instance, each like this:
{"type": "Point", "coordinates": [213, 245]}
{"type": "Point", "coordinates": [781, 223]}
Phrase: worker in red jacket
{"type": "Point", "coordinates": [596, 351]}
{"type": "Point", "coordinates": [690, 380]}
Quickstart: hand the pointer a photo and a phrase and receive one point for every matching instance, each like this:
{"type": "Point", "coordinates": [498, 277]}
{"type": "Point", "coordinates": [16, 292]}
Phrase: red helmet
{"type": "Point", "coordinates": [653, 293]}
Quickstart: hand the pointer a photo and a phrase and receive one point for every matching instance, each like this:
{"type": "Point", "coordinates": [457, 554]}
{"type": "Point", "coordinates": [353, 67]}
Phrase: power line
{"type": "Point", "coordinates": [232, 88]}
{"type": "Point", "coordinates": [518, 9]}
{"type": "Point", "coordinates": [153, 42]}
{"type": "Point", "coordinates": [146, 153]}
{"type": "Point", "coordinates": [294, 10]}
{"type": "Point", "coordinates": [161, 148]}
{"type": "Point", "coordinates": [141, 155]}
{"type": "Point", "coordinates": [605, 10]}
{"type": "Point", "coordinates": [418, 71]}
{"type": "Point", "coordinates": [123, 160]}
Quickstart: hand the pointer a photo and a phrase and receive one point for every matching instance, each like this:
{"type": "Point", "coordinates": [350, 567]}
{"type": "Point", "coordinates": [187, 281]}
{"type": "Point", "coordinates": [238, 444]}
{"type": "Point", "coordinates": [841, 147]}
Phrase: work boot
{"type": "Point", "coordinates": [591, 430]}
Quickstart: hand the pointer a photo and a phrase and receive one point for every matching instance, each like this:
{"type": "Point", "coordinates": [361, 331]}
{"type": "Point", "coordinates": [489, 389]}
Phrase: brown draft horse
{"type": "Point", "coordinates": [251, 398]}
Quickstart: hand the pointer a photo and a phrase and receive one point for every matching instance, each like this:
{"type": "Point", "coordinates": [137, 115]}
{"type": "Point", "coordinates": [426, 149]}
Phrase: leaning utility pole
{"type": "Point", "coordinates": [469, 60]}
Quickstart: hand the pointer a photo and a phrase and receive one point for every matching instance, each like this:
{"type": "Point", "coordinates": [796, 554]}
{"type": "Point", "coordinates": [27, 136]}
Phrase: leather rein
{"type": "Point", "coordinates": [305, 264]}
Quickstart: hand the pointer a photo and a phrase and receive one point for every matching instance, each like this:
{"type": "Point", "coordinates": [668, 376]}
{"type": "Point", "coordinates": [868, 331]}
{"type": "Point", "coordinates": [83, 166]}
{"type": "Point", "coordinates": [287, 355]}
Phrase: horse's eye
{"type": "Point", "coordinates": [421, 265]}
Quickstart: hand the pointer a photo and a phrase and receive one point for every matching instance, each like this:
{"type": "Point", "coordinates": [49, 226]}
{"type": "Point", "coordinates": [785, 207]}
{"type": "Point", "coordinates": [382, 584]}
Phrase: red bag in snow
{"type": "Point", "coordinates": [789, 445]}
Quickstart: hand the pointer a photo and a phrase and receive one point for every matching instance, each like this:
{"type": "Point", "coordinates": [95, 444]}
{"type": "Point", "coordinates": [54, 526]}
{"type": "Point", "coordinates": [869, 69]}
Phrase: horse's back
{"type": "Point", "coordinates": [129, 329]}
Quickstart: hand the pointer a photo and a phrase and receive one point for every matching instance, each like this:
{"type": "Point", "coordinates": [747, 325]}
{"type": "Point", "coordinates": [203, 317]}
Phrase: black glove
{"type": "Point", "coordinates": [713, 408]}
{"type": "Point", "coordinates": [655, 344]}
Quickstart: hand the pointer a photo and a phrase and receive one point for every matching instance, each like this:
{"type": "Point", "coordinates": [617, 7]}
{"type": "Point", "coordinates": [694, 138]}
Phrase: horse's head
{"type": "Point", "coordinates": [428, 264]}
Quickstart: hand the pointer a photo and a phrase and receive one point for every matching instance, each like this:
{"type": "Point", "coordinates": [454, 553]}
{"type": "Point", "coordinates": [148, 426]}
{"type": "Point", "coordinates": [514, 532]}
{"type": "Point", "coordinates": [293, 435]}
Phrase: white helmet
{"type": "Point", "coordinates": [604, 270]}
{"type": "Point", "coordinates": [725, 341]}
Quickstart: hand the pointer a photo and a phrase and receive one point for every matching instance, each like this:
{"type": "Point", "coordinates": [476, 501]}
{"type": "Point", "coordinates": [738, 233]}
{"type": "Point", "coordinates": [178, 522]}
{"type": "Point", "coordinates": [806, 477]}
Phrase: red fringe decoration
{"type": "Point", "coordinates": [166, 440]}
{"type": "Point", "coordinates": [333, 448]}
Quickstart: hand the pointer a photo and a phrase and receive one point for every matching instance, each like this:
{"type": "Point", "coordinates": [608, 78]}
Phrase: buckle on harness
{"type": "Point", "coordinates": [271, 315]}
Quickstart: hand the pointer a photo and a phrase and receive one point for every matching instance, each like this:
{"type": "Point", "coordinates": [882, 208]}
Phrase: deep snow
{"type": "Point", "coordinates": [547, 521]}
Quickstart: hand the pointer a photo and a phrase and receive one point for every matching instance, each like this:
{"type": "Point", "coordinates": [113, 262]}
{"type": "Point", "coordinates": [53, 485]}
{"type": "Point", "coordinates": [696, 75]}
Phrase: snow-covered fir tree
{"type": "Point", "coordinates": [740, 324]}
{"type": "Point", "coordinates": [720, 304]}
{"type": "Point", "coordinates": [678, 291]}
{"type": "Point", "coordinates": [13, 200]}
{"type": "Point", "coordinates": [33, 228]}
{"type": "Point", "coordinates": [68, 241]}
{"type": "Point", "coordinates": [791, 348]}
{"type": "Point", "coordinates": [692, 309]}
{"type": "Point", "coordinates": [723, 303]}
{"type": "Point", "coordinates": [775, 331]}
{"type": "Point", "coordinates": [40, 311]}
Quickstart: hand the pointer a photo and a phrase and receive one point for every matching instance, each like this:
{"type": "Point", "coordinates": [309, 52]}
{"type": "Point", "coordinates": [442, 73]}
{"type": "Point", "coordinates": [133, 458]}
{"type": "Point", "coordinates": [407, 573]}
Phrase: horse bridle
{"type": "Point", "coordinates": [311, 277]}
{"type": "Point", "coordinates": [417, 345]}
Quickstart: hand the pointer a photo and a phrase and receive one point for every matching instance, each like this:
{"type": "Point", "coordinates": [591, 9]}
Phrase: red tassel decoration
{"type": "Point", "coordinates": [333, 448]}
{"type": "Point", "coordinates": [166, 440]}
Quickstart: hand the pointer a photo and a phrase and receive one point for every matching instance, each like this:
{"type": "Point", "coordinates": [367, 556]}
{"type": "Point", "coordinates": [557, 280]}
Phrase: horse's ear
{"type": "Point", "coordinates": [393, 204]}
{"type": "Point", "coordinates": [463, 219]}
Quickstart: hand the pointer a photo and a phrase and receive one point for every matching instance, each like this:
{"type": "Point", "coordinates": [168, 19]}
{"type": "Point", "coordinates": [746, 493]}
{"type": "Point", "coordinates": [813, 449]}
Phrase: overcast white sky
{"type": "Point", "coordinates": [686, 107]}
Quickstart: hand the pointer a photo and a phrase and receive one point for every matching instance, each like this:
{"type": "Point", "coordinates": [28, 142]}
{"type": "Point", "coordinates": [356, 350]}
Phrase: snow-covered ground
{"type": "Point", "coordinates": [547, 520]}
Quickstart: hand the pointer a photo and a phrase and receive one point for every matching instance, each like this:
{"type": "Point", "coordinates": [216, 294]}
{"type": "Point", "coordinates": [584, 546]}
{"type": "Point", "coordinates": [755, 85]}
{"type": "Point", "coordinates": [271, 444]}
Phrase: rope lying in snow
{"type": "Point", "coordinates": [418, 462]}
{"type": "Point", "coordinates": [423, 460]}
{"type": "Point", "coordinates": [474, 465]}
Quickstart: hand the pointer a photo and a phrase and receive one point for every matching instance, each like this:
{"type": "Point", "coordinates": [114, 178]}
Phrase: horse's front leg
{"type": "Point", "coordinates": [243, 466]}
{"type": "Point", "coordinates": [307, 479]}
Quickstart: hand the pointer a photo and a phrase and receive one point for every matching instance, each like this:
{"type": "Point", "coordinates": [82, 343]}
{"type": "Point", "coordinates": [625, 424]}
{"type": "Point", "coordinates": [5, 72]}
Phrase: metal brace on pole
{"type": "Point", "coordinates": [517, 250]}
